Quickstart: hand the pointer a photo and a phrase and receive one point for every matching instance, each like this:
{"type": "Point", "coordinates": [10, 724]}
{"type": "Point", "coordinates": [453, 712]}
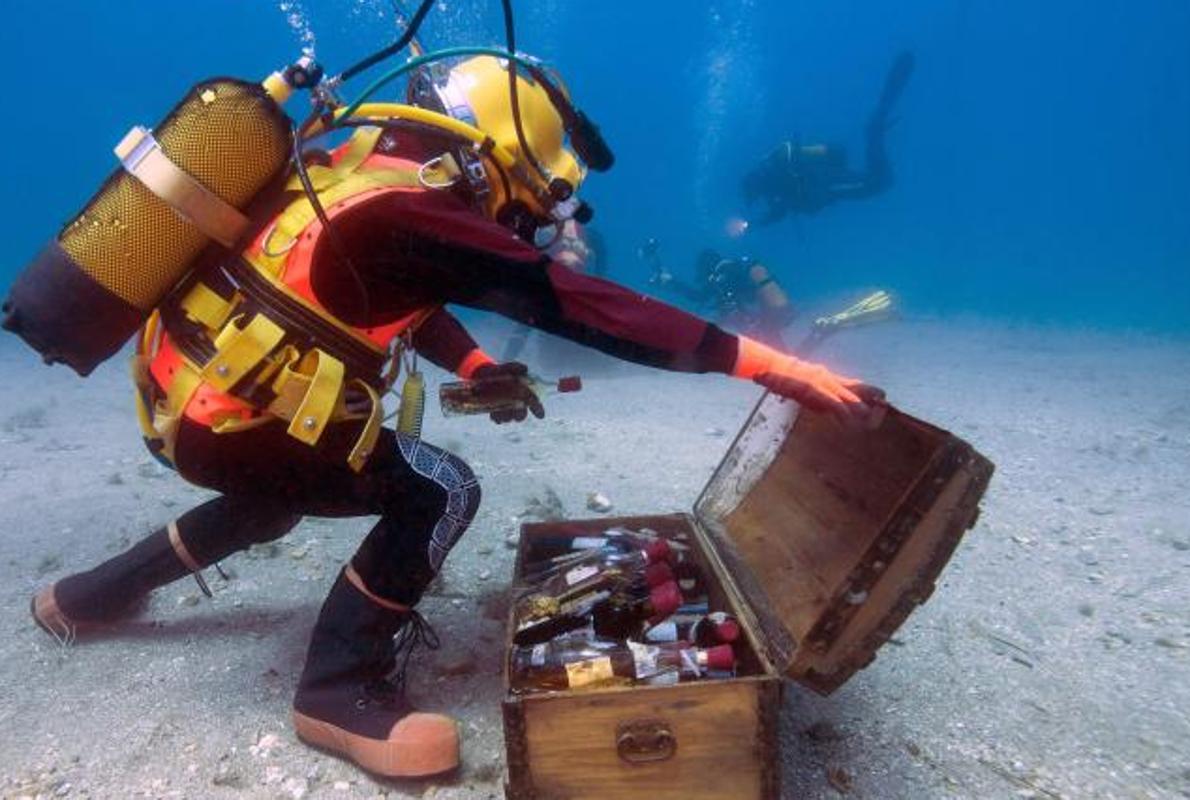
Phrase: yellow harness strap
{"type": "Point", "coordinates": [160, 424]}
{"type": "Point", "coordinates": [366, 442]}
{"type": "Point", "coordinates": [167, 413]}
{"type": "Point", "coordinates": [309, 387]}
{"type": "Point", "coordinates": [206, 307]}
{"type": "Point", "coordinates": [345, 179]}
{"type": "Point", "coordinates": [239, 350]}
{"type": "Point", "coordinates": [322, 397]}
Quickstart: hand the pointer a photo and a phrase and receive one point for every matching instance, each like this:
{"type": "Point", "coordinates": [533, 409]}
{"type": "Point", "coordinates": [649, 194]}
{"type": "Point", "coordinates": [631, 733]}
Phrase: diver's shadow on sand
{"type": "Point", "coordinates": [821, 751]}
{"type": "Point", "coordinates": [256, 622]}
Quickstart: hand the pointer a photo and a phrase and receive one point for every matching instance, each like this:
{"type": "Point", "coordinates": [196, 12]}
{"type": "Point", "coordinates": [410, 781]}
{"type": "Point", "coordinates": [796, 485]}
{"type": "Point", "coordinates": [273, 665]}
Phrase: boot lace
{"type": "Point", "coordinates": [389, 691]}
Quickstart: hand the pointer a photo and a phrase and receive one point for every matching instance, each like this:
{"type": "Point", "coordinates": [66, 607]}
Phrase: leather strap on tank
{"type": "Point", "coordinates": [144, 159]}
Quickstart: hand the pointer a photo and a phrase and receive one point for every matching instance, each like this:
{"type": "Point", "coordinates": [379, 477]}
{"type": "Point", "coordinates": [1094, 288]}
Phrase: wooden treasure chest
{"type": "Point", "coordinates": [820, 542]}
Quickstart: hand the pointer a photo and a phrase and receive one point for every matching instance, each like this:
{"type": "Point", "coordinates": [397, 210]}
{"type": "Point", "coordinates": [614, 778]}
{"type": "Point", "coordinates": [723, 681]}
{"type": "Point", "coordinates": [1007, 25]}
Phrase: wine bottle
{"type": "Point", "coordinates": [577, 663]}
{"type": "Point", "coordinates": [541, 618]}
{"type": "Point", "coordinates": [626, 605]}
{"type": "Point", "coordinates": [549, 548]}
{"type": "Point", "coordinates": [704, 631]}
{"type": "Point", "coordinates": [499, 393]}
{"type": "Point", "coordinates": [558, 574]}
{"type": "Point", "coordinates": [626, 615]}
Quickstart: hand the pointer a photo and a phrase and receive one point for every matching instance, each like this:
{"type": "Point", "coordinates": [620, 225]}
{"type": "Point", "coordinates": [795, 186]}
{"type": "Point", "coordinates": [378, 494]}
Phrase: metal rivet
{"type": "Point", "coordinates": [310, 423]}
{"type": "Point", "coordinates": [222, 370]}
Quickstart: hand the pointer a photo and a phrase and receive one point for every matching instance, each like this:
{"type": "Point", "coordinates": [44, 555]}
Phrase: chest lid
{"type": "Point", "coordinates": [834, 536]}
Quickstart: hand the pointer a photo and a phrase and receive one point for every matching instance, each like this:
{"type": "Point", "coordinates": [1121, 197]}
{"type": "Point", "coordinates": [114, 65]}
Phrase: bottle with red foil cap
{"type": "Point", "coordinates": [572, 662]}
{"type": "Point", "coordinates": [707, 630]}
{"type": "Point", "coordinates": [626, 615]}
{"type": "Point", "coordinates": [488, 395]}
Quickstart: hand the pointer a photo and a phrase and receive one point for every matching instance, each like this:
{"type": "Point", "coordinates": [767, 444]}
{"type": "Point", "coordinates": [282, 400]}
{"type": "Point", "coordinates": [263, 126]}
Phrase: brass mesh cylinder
{"type": "Point", "coordinates": [90, 289]}
{"type": "Point", "coordinates": [228, 135]}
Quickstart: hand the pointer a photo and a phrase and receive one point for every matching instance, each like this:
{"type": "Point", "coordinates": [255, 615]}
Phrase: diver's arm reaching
{"type": "Point", "coordinates": [443, 341]}
{"type": "Point", "coordinates": [473, 262]}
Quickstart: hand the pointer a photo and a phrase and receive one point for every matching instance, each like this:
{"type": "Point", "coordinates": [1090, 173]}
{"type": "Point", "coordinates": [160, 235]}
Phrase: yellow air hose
{"type": "Point", "coordinates": [380, 112]}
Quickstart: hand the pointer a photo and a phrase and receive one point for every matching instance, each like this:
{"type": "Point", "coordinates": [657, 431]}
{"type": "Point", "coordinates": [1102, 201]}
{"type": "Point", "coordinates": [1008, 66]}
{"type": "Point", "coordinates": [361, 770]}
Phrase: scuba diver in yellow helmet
{"type": "Point", "coordinates": [262, 358]}
{"type": "Point", "coordinates": [804, 178]}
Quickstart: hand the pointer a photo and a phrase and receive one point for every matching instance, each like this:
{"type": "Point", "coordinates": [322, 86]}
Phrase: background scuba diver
{"type": "Point", "coordinates": [798, 178]}
{"type": "Point", "coordinates": [261, 381]}
{"type": "Point", "coordinates": [741, 293]}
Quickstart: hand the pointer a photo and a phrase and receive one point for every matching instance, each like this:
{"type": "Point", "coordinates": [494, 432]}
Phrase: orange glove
{"type": "Point", "coordinates": [815, 387]}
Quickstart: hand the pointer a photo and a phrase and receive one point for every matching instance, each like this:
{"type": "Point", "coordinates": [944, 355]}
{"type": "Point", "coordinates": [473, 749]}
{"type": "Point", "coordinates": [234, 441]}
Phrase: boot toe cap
{"type": "Point", "coordinates": [418, 744]}
{"type": "Point", "coordinates": [425, 744]}
{"type": "Point", "coordinates": [49, 617]}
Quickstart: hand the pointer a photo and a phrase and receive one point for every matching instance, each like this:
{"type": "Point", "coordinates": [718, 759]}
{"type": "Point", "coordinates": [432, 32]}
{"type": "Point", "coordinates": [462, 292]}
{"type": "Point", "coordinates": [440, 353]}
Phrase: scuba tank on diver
{"type": "Point", "coordinates": [184, 186]}
{"type": "Point", "coordinates": [181, 186]}
{"type": "Point", "coordinates": [769, 294]}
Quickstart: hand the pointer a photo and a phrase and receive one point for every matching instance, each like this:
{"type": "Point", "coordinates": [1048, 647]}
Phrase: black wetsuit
{"type": "Point", "coordinates": [413, 251]}
{"type": "Point", "coordinates": [794, 179]}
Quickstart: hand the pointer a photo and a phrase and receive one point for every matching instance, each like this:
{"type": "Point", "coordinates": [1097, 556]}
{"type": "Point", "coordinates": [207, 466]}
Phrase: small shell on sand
{"type": "Point", "coordinates": [597, 501]}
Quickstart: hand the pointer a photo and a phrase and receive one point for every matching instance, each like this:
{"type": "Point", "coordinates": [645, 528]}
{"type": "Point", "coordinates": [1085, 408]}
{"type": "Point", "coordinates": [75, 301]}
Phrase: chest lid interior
{"type": "Point", "coordinates": [834, 536]}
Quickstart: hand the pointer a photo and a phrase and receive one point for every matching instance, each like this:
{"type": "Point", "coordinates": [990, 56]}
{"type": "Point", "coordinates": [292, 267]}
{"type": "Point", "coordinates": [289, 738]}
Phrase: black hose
{"type": "Point", "coordinates": [331, 234]}
{"type": "Point", "coordinates": [395, 47]}
{"type": "Point", "coordinates": [510, 43]}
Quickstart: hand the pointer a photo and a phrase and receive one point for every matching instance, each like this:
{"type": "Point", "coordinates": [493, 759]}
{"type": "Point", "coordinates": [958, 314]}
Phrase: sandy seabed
{"type": "Point", "coordinates": [1053, 661]}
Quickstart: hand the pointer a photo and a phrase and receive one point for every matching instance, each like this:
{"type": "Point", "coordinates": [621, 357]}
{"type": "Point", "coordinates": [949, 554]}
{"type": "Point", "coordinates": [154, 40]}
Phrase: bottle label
{"type": "Point", "coordinates": [583, 604]}
{"type": "Point", "coordinates": [663, 632]}
{"type": "Point", "coordinates": [537, 656]}
{"type": "Point", "coordinates": [668, 677]}
{"type": "Point", "coordinates": [690, 664]}
{"type": "Point", "coordinates": [580, 574]}
{"type": "Point", "coordinates": [587, 542]}
{"type": "Point", "coordinates": [644, 658]}
{"type": "Point", "coordinates": [589, 671]}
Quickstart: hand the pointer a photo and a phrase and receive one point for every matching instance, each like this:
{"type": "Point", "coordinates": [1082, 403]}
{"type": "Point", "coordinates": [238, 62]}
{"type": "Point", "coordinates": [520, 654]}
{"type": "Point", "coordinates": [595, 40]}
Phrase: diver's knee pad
{"type": "Point", "coordinates": [454, 477]}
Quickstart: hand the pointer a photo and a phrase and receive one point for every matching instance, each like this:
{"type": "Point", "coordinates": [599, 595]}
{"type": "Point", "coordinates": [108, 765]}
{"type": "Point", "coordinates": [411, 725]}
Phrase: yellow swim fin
{"type": "Point", "coordinates": [876, 307]}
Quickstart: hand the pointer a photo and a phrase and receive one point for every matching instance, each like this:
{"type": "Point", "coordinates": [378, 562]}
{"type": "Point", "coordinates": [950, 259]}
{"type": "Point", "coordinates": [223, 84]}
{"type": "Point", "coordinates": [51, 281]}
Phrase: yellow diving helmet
{"type": "Point", "coordinates": [540, 189]}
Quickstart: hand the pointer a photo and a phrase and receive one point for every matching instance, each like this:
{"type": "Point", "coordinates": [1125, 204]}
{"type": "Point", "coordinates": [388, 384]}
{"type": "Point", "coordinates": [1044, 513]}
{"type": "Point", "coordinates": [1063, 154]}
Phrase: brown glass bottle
{"type": "Point", "coordinates": [704, 631]}
{"type": "Point", "coordinates": [541, 617]}
{"type": "Point", "coordinates": [579, 663]}
{"type": "Point", "coordinates": [560, 576]}
{"type": "Point", "coordinates": [488, 395]}
{"type": "Point", "coordinates": [626, 615]}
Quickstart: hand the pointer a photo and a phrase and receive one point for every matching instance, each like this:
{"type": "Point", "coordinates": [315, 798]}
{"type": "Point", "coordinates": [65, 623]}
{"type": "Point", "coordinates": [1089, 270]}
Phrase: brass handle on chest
{"type": "Point", "coordinates": [642, 741]}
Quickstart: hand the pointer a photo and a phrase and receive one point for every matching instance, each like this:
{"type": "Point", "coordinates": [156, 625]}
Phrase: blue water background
{"type": "Point", "coordinates": [1042, 155]}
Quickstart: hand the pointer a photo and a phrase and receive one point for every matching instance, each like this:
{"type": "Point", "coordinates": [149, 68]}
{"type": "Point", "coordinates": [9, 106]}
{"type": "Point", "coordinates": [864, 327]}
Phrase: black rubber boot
{"type": "Point", "coordinates": [348, 701]}
{"type": "Point", "coordinates": [202, 536]}
{"type": "Point", "coordinates": [109, 591]}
